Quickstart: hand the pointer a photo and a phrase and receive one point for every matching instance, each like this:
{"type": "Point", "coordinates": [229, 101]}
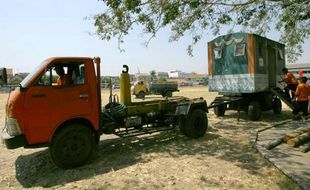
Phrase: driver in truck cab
{"type": "Point", "coordinates": [63, 79]}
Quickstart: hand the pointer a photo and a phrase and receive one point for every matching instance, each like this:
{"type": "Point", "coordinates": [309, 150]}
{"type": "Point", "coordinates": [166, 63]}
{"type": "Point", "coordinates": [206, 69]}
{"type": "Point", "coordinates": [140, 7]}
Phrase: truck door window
{"type": "Point", "coordinates": [46, 79]}
{"type": "Point", "coordinates": [80, 78]}
{"type": "Point", "coordinates": [50, 76]}
{"type": "Point", "coordinates": [63, 74]}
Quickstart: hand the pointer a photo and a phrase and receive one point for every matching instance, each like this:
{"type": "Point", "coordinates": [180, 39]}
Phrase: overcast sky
{"type": "Point", "coordinates": [33, 30]}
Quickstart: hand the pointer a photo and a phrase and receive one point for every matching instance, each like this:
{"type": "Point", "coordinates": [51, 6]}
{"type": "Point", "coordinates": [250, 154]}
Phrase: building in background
{"type": "Point", "coordinates": [177, 74]}
{"type": "Point", "coordinates": [9, 73]}
{"type": "Point", "coordinates": [296, 68]}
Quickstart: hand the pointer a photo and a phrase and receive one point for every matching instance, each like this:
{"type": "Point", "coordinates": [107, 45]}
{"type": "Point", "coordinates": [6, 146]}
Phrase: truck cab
{"type": "Point", "coordinates": [139, 89]}
{"type": "Point", "coordinates": [58, 105]}
{"type": "Point", "coordinates": [40, 106]}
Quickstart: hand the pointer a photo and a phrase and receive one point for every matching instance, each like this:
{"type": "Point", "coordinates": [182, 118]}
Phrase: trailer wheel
{"type": "Point", "coordinates": [167, 94]}
{"type": "Point", "coordinates": [277, 106]}
{"type": "Point", "coordinates": [195, 124]}
{"type": "Point", "coordinates": [72, 146]}
{"type": "Point", "coordinates": [141, 95]}
{"type": "Point", "coordinates": [254, 110]}
{"type": "Point", "coordinates": [220, 110]}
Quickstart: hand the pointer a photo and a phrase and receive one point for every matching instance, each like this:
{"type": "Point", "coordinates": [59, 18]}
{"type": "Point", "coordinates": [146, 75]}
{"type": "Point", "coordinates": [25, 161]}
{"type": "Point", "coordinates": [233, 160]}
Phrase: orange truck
{"type": "Point", "coordinates": [58, 106]}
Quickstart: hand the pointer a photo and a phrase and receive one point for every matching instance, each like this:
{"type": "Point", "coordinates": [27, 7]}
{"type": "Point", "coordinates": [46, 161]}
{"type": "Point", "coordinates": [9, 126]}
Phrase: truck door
{"type": "Point", "coordinates": [53, 99]}
{"type": "Point", "coordinates": [271, 66]}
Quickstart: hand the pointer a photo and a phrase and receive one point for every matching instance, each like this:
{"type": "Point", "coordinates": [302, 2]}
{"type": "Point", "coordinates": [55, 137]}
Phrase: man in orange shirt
{"type": "Point", "coordinates": [302, 97]}
{"type": "Point", "coordinates": [291, 82]}
{"type": "Point", "coordinates": [63, 79]}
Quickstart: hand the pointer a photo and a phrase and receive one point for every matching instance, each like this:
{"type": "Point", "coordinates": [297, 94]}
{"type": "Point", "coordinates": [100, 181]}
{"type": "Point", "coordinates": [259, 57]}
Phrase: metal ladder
{"type": "Point", "coordinates": [279, 92]}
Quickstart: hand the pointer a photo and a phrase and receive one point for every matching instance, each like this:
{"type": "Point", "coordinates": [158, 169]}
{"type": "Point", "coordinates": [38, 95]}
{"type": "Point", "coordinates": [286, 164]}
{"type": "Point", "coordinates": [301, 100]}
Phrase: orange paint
{"type": "Point", "coordinates": [210, 64]}
{"type": "Point", "coordinates": [251, 54]}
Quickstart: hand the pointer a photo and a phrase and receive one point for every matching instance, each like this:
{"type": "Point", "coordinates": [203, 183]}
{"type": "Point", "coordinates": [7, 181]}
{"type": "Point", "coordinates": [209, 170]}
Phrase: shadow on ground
{"type": "Point", "coordinates": [36, 170]}
{"type": "Point", "coordinates": [267, 116]}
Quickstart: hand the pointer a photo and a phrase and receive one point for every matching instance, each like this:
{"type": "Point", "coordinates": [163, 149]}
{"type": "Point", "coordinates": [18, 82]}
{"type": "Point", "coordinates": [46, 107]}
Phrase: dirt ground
{"type": "Point", "coordinates": [223, 159]}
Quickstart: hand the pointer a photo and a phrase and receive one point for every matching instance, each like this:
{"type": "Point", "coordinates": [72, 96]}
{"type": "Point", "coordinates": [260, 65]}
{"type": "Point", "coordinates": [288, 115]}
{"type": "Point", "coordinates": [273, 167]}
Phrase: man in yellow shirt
{"type": "Point", "coordinates": [302, 97]}
{"type": "Point", "coordinates": [291, 83]}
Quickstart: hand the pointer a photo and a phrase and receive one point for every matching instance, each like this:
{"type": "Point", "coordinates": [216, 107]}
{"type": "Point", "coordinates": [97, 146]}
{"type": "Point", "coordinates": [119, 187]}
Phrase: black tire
{"type": "Point", "coordinates": [141, 95]}
{"type": "Point", "coordinates": [195, 124]}
{"type": "Point", "coordinates": [168, 94]}
{"type": "Point", "coordinates": [72, 146]}
{"type": "Point", "coordinates": [220, 110]}
{"type": "Point", "coordinates": [277, 106]}
{"type": "Point", "coordinates": [254, 111]}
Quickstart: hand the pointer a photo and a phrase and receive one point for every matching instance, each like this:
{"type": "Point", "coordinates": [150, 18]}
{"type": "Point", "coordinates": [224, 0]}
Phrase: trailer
{"type": "Point", "coordinates": [65, 113]}
{"type": "Point", "coordinates": [245, 70]}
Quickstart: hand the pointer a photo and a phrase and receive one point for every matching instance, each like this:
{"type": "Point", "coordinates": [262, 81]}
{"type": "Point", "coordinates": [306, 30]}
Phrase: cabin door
{"type": "Point", "coordinates": [271, 67]}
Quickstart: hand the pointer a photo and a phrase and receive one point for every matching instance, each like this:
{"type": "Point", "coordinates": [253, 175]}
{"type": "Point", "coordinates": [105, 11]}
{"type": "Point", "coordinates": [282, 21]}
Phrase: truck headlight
{"type": "Point", "coordinates": [12, 127]}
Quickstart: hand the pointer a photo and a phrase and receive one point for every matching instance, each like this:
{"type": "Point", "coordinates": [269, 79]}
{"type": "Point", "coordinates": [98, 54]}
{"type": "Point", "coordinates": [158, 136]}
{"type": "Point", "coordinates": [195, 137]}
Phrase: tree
{"type": "Point", "coordinates": [199, 17]}
{"type": "Point", "coordinates": [153, 75]}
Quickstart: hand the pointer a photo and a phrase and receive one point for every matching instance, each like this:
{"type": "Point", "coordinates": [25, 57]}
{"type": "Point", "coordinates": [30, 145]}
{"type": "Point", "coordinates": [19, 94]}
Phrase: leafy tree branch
{"type": "Point", "coordinates": [291, 18]}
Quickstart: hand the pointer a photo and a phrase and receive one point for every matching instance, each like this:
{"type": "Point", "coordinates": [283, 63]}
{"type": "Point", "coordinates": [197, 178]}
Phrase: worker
{"type": "Point", "coordinates": [302, 97]}
{"type": "Point", "coordinates": [291, 83]}
{"type": "Point", "coordinates": [63, 79]}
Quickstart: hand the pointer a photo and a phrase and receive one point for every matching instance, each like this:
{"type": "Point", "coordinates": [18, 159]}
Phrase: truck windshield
{"type": "Point", "coordinates": [29, 77]}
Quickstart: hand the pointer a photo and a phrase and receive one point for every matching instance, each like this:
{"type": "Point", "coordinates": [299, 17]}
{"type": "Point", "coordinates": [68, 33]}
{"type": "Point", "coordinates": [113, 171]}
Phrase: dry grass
{"type": "Point", "coordinates": [222, 159]}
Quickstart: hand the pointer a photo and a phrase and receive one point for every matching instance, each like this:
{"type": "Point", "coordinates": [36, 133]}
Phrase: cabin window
{"type": "Point", "coordinates": [239, 49]}
{"type": "Point", "coordinates": [281, 56]}
{"type": "Point", "coordinates": [217, 53]}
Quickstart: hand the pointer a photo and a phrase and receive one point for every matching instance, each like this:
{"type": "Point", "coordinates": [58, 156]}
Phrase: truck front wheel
{"type": "Point", "coordinates": [72, 146]}
{"type": "Point", "coordinates": [195, 124]}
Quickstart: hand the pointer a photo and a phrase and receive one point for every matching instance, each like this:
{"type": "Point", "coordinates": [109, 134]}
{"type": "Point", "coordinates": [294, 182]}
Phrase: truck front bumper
{"type": "Point", "coordinates": [12, 142]}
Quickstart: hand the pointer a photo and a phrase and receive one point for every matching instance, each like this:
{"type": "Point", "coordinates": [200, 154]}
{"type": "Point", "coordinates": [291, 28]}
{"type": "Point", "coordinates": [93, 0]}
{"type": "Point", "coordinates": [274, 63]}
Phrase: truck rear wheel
{"type": "Point", "coordinates": [195, 124]}
{"type": "Point", "coordinates": [72, 146]}
{"type": "Point", "coordinates": [254, 110]}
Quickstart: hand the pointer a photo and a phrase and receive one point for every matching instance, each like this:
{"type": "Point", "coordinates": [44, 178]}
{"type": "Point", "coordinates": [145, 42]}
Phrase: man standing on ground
{"type": "Point", "coordinates": [302, 97]}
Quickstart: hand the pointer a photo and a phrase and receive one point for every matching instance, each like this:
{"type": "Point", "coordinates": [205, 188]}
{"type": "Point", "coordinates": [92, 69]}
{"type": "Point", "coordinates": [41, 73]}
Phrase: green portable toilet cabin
{"type": "Point", "coordinates": [244, 63]}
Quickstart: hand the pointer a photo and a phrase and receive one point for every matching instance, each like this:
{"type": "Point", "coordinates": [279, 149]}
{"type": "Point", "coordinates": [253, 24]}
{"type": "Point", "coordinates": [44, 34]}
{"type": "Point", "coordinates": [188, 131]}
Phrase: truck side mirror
{"type": "Point", "coordinates": [3, 76]}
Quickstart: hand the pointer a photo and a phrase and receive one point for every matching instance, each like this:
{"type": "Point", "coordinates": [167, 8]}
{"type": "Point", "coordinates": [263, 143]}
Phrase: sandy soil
{"type": "Point", "coordinates": [223, 159]}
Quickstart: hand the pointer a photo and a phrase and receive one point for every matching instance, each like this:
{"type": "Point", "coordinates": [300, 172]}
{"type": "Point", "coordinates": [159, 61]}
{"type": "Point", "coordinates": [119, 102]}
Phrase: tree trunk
{"type": "Point", "coordinates": [295, 133]}
{"type": "Point", "coordinates": [294, 142]}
